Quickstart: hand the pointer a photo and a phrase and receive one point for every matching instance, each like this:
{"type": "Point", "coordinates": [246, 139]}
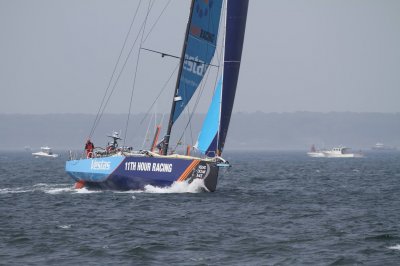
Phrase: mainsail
{"type": "Point", "coordinates": [199, 50]}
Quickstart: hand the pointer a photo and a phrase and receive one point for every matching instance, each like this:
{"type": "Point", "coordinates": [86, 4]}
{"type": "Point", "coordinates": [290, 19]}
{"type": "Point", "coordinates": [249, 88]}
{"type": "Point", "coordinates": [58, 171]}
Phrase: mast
{"type": "Point", "coordinates": [174, 99]}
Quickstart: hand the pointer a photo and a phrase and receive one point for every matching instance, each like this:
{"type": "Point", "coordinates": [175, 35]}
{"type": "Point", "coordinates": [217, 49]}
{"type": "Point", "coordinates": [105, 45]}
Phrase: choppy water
{"type": "Point", "coordinates": [270, 208]}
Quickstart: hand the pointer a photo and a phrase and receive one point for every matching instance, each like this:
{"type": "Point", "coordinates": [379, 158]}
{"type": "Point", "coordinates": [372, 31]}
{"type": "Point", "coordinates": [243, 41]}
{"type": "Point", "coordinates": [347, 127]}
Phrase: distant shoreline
{"type": "Point", "coordinates": [255, 131]}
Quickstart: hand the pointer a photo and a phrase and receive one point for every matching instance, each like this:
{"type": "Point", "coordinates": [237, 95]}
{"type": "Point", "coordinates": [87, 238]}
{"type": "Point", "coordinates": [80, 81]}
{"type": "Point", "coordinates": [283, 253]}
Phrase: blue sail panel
{"type": "Point", "coordinates": [206, 143]}
{"type": "Point", "coordinates": [200, 49]}
{"type": "Point", "coordinates": [234, 37]}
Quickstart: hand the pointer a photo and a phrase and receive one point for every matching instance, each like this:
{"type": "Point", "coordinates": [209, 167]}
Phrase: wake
{"type": "Point", "coordinates": [197, 186]}
{"type": "Point", "coordinates": [46, 188]}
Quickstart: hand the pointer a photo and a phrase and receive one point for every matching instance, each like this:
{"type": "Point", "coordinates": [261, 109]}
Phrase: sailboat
{"type": "Point", "coordinates": [121, 168]}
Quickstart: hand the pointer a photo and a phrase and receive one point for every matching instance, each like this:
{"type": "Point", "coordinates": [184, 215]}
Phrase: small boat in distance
{"type": "Point", "coordinates": [45, 152]}
{"type": "Point", "coordinates": [382, 147]}
{"type": "Point", "coordinates": [341, 152]}
{"type": "Point", "coordinates": [338, 152]}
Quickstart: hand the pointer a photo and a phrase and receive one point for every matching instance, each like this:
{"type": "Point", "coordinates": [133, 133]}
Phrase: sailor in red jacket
{"type": "Point", "coordinates": [89, 147]}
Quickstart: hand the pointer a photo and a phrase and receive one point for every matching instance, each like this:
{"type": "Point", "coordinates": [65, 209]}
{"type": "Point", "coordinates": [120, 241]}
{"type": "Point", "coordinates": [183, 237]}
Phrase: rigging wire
{"type": "Point", "coordinates": [120, 73]}
{"type": "Point", "coordinates": [115, 68]}
{"type": "Point", "coordinates": [146, 136]}
{"type": "Point", "coordinates": [135, 75]}
{"type": "Point", "coordinates": [103, 105]}
{"type": "Point", "coordinates": [155, 23]}
{"type": "Point", "coordinates": [177, 57]}
{"type": "Point", "coordinates": [159, 94]}
{"type": "Point", "coordinates": [117, 79]}
{"type": "Point", "coordinates": [191, 132]}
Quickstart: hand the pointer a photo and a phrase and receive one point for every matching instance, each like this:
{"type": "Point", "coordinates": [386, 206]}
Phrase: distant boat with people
{"type": "Point", "coordinates": [45, 152]}
{"type": "Point", "coordinates": [337, 152]}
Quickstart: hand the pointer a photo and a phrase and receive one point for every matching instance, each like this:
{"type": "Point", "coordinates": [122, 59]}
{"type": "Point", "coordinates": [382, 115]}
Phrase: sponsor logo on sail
{"type": "Point", "coordinates": [203, 34]}
{"type": "Point", "coordinates": [194, 65]}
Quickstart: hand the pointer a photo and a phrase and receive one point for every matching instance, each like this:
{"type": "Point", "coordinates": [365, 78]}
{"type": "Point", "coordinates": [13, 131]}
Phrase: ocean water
{"type": "Point", "coordinates": [270, 208]}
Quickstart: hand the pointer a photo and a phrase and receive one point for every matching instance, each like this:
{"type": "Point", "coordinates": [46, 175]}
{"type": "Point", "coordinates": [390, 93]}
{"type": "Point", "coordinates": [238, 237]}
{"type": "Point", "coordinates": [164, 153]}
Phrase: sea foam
{"type": "Point", "coordinates": [396, 247]}
{"type": "Point", "coordinates": [178, 187]}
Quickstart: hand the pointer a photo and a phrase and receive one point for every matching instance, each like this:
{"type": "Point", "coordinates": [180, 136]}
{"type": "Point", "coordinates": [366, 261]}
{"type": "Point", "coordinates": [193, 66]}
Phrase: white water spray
{"type": "Point", "coordinates": [178, 187]}
{"type": "Point", "coordinates": [395, 247]}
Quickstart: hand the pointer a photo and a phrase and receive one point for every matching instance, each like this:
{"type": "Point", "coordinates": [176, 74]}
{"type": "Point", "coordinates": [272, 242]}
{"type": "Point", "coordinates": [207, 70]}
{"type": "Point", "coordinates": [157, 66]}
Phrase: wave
{"type": "Point", "coordinates": [395, 247]}
{"type": "Point", "coordinates": [196, 186]}
{"type": "Point", "coordinates": [382, 237]}
{"type": "Point", "coordinates": [40, 187]}
{"type": "Point", "coordinates": [15, 190]}
{"type": "Point", "coordinates": [178, 187]}
{"type": "Point", "coordinates": [64, 226]}
{"type": "Point", "coordinates": [85, 191]}
{"type": "Point", "coordinates": [53, 188]}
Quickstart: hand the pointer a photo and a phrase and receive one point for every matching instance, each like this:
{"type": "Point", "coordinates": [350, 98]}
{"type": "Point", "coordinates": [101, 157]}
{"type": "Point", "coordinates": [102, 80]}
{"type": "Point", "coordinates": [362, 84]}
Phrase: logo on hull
{"type": "Point", "coordinates": [148, 167]}
{"type": "Point", "coordinates": [202, 171]}
{"type": "Point", "coordinates": [100, 165]}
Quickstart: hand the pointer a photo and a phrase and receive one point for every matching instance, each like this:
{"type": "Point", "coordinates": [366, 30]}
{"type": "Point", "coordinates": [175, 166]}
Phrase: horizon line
{"type": "Point", "coordinates": [200, 113]}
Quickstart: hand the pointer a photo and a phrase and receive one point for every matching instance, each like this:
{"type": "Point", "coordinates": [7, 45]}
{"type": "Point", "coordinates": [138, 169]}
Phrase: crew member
{"type": "Point", "coordinates": [89, 147]}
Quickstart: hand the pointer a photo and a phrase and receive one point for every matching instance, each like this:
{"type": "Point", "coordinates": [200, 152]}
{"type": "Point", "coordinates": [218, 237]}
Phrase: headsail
{"type": "Point", "coordinates": [235, 29]}
{"type": "Point", "coordinates": [199, 51]}
{"type": "Point", "coordinates": [208, 137]}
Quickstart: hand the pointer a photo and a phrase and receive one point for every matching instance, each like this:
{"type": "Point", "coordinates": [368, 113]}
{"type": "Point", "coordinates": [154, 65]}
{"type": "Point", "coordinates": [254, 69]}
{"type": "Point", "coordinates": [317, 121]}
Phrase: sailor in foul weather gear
{"type": "Point", "coordinates": [89, 147]}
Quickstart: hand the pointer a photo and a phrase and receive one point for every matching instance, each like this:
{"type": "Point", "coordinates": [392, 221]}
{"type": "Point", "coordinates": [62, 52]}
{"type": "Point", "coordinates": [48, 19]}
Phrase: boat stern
{"type": "Point", "coordinates": [94, 169]}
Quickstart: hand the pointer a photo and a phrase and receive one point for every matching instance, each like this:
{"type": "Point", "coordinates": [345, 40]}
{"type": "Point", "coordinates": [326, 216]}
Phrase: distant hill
{"type": "Point", "coordinates": [248, 131]}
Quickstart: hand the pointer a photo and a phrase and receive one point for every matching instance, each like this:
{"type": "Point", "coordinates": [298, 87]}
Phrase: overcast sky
{"type": "Point", "coordinates": [57, 56]}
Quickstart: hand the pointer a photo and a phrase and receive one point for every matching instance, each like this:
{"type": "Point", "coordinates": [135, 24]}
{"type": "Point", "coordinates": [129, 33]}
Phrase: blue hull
{"type": "Point", "coordinates": [133, 173]}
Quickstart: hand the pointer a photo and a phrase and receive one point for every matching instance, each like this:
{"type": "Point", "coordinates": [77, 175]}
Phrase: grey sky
{"type": "Point", "coordinates": [338, 55]}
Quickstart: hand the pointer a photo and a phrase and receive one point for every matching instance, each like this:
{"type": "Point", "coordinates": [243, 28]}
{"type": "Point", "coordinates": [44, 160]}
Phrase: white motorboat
{"type": "Point", "coordinates": [338, 152]}
{"type": "Point", "coordinates": [45, 152]}
{"type": "Point", "coordinates": [341, 152]}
